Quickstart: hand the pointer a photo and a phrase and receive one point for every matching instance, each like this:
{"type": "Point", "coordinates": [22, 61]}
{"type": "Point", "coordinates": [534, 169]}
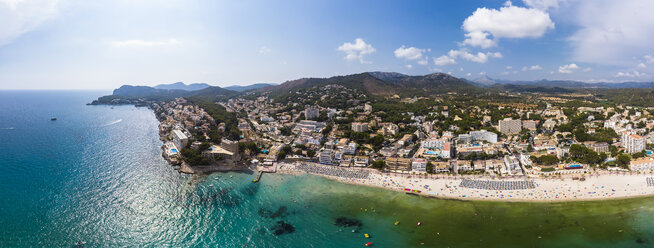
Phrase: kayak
{"type": "Point", "coordinates": [397, 222]}
{"type": "Point", "coordinates": [369, 244]}
{"type": "Point", "coordinates": [366, 235]}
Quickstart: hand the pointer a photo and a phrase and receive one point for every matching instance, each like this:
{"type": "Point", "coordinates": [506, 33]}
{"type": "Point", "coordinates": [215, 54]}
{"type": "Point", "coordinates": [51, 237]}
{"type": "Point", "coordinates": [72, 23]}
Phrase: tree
{"type": "Point", "coordinates": [623, 160]}
{"type": "Point", "coordinates": [378, 164]}
{"type": "Point", "coordinates": [430, 167]}
{"type": "Point", "coordinates": [614, 150]}
{"type": "Point", "coordinates": [286, 131]}
{"type": "Point", "coordinates": [311, 153]}
{"type": "Point", "coordinates": [203, 146]}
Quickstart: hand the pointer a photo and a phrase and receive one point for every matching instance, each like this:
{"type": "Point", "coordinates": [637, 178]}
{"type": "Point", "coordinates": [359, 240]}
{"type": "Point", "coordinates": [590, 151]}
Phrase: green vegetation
{"type": "Point", "coordinates": [194, 157]}
{"type": "Point", "coordinates": [378, 164]}
{"type": "Point", "coordinates": [251, 147]}
{"type": "Point", "coordinates": [545, 160]}
{"type": "Point", "coordinates": [284, 152]}
{"type": "Point", "coordinates": [219, 114]}
{"type": "Point", "coordinates": [582, 154]}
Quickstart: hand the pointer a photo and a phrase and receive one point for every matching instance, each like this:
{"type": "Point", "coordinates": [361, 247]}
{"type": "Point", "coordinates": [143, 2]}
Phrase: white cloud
{"type": "Point", "coordinates": [649, 59]}
{"type": "Point", "coordinates": [264, 49]}
{"type": "Point", "coordinates": [18, 17]}
{"type": "Point", "coordinates": [567, 69]}
{"type": "Point", "coordinates": [504, 73]}
{"type": "Point", "coordinates": [587, 69]}
{"type": "Point", "coordinates": [410, 53]}
{"type": "Point", "coordinates": [630, 74]}
{"type": "Point", "coordinates": [543, 4]}
{"type": "Point", "coordinates": [478, 58]}
{"type": "Point", "coordinates": [485, 26]}
{"type": "Point", "coordinates": [641, 66]}
{"type": "Point", "coordinates": [424, 61]}
{"type": "Point", "coordinates": [356, 50]}
{"type": "Point", "coordinates": [612, 32]}
{"type": "Point", "coordinates": [508, 67]}
{"type": "Point", "coordinates": [444, 60]}
{"type": "Point", "coordinates": [532, 68]}
{"type": "Point", "coordinates": [144, 43]}
{"type": "Point", "coordinates": [408, 66]}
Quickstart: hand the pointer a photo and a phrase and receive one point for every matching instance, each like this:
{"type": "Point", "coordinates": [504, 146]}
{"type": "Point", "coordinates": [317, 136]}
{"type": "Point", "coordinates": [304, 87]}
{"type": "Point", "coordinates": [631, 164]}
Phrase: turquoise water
{"type": "Point", "coordinates": [96, 174]}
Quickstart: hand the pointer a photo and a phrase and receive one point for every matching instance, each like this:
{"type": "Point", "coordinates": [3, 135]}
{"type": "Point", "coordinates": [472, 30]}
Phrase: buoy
{"type": "Point", "coordinates": [419, 223]}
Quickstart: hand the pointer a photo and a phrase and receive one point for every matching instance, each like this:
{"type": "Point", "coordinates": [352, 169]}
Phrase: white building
{"type": "Point", "coordinates": [433, 144]}
{"type": "Point", "coordinates": [311, 113]}
{"type": "Point", "coordinates": [484, 135]}
{"type": "Point", "coordinates": [633, 143]}
{"type": "Point", "coordinates": [642, 164]}
{"type": "Point", "coordinates": [326, 156]}
{"type": "Point", "coordinates": [180, 139]}
{"type": "Point", "coordinates": [360, 127]}
{"type": "Point", "coordinates": [419, 165]}
{"type": "Point", "coordinates": [509, 126]}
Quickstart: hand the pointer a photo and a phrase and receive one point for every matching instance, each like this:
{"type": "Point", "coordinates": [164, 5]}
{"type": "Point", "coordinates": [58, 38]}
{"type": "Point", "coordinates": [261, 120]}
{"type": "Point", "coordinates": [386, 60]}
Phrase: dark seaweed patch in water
{"type": "Point", "coordinates": [230, 201]}
{"type": "Point", "coordinates": [222, 198]}
{"type": "Point", "coordinates": [251, 189]}
{"type": "Point", "coordinates": [282, 228]}
{"type": "Point", "coordinates": [641, 241]}
{"type": "Point", "coordinates": [347, 222]}
{"type": "Point", "coordinates": [280, 213]}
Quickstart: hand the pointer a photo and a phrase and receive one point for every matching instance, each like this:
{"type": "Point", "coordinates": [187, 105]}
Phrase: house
{"type": "Point", "coordinates": [419, 165]}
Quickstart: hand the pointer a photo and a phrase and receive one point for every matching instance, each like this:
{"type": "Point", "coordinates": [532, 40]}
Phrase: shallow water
{"type": "Point", "coordinates": [80, 179]}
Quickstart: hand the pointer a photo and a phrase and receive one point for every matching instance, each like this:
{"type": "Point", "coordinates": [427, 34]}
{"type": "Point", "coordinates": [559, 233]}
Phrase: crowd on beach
{"type": "Point", "coordinates": [332, 171]}
{"type": "Point", "coordinates": [595, 186]}
{"type": "Point", "coordinates": [497, 185]}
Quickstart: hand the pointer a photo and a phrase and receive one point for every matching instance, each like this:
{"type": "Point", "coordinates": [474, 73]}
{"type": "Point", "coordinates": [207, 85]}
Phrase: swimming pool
{"type": "Point", "coordinates": [173, 150]}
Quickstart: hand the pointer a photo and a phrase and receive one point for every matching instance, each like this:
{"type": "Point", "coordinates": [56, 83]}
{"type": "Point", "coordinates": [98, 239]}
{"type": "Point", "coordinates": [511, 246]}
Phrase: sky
{"type": "Point", "coordinates": [76, 44]}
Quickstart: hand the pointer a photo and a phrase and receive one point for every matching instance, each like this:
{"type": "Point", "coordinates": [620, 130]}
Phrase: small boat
{"type": "Point", "coordinates": [369, 244]}
{"type": "Point", "coordinates": [419, 223]}
{"type": "Point", "coordinates": [53, 118]}
{"type": "Point", "coordinates": [354, 230]}
{"type": "Point", "coordinates": [397, 223]}
{"type": "Point", "coordinates": [366, 235]}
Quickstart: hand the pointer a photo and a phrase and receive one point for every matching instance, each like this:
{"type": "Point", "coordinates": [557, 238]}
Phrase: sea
{"type": "Point", "coordinates": [96, 175]}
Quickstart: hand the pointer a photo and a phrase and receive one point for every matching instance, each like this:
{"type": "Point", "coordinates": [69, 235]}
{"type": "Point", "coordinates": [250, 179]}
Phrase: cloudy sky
{"type": "Point", "coordinates": [76, 44]}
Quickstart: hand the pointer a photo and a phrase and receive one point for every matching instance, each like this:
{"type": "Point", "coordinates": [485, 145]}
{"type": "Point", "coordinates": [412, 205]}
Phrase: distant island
{"type": "Point", "coordinates": [432, 135]}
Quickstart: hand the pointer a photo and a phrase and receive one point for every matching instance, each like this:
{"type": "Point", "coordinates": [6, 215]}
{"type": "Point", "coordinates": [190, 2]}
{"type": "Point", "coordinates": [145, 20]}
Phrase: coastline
{"type": "Point", "coordinates": [595, 188]}
{"type": "Point", "coordinates": [610, 186]}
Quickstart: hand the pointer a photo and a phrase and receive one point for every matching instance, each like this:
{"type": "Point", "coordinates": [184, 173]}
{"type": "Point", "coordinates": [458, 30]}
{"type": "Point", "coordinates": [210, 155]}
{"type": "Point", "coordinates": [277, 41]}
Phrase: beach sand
{"type": "Point", "coordinates": [565, 188]}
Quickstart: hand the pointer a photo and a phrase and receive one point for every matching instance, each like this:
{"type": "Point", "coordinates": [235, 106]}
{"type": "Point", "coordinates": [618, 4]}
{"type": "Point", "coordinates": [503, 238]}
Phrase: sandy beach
{"type": "Point", "coordinates": [565, 188]}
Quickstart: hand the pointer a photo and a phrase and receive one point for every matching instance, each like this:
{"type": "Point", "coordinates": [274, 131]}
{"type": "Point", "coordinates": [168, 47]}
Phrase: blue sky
{"type": "Point", "coordinates": [74, 44]}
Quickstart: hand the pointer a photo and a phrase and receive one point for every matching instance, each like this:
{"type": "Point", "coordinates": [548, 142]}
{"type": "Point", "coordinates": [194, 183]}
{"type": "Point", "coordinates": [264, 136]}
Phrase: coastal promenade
{"type": "Point", "coordinates": [520, 189]}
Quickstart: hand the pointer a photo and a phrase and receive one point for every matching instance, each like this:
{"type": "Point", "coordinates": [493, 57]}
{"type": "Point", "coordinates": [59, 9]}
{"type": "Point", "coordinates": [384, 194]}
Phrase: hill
{"type": "Point", "coordinates": [240, 88]}
{"type": "Point", "coordinates": [182, 86]}
{"type": "Point", "coordinates": [381, 84]}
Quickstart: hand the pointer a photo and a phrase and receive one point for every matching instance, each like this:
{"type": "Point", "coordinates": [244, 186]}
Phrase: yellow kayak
{"type": "Point", "coordinates": [366, 235]}
{"type": "Point", "coordinates": [397, 222]}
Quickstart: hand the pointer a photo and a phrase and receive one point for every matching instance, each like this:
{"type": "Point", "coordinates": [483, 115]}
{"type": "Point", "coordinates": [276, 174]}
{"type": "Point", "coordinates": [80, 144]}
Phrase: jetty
{"type": "Point", "coordinates": [258, 177]}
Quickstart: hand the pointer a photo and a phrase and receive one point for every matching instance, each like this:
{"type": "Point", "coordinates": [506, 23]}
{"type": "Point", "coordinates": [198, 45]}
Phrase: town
{"type": "Point", "coordinates": [338, 126]}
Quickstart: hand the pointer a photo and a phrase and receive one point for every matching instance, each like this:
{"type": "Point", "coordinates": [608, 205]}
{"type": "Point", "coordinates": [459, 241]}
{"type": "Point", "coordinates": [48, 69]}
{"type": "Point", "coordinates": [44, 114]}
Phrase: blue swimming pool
{"type": "Point", "coordinates": [173, 150]}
